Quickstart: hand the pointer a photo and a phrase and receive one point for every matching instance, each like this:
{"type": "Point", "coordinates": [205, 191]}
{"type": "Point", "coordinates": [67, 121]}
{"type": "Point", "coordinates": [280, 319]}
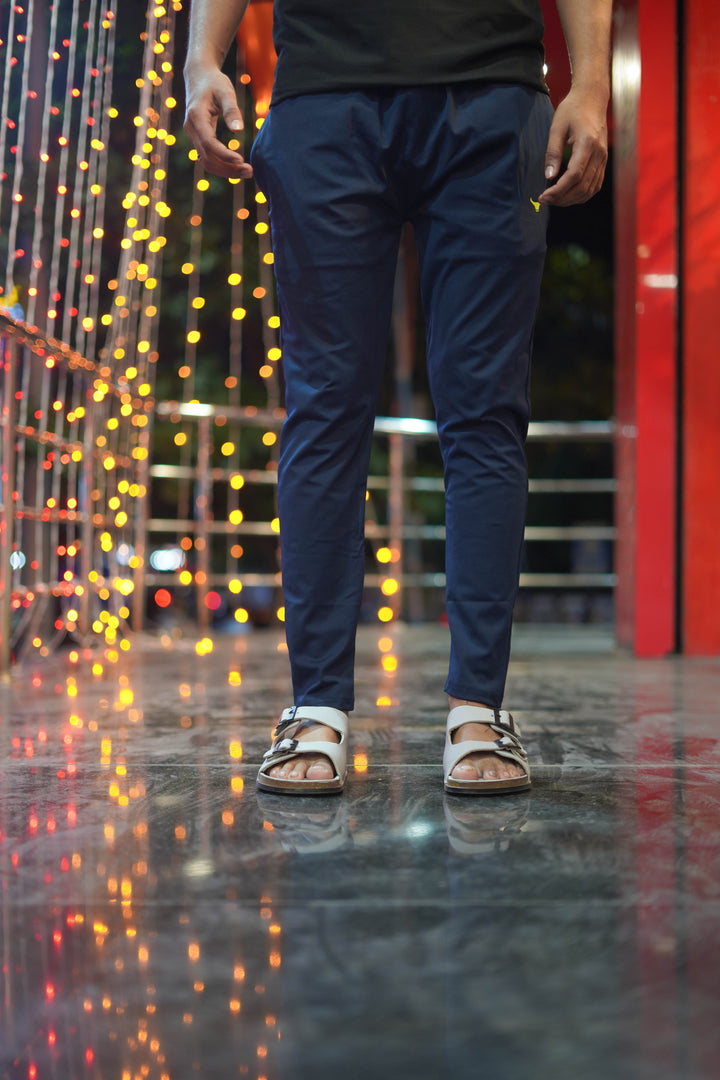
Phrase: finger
{"type": "Point", "coordinates": [557, 139]}
{"type": "Point", "coordinates": [232, 116]}
{"type": "Point", "coordinates": [580, 182]}
{"type": "Point", "coordinates": [214, 156]}
{"type": "Point", "coordinates": [217, 159]}
{"type": "Point", "coordinates": [240, 170]}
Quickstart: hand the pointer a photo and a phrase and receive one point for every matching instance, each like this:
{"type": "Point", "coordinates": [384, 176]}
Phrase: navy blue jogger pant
{"type": "Point", "coordinates": [342, 173]}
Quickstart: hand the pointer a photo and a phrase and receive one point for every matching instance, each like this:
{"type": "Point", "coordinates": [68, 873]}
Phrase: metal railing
{"type": "Point", "coordinates": [392, 528]}
{"type": "Point", "coordinates": [72, 492]}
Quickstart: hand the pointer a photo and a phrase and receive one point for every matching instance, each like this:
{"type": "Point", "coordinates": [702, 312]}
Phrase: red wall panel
{"type": "Point", "coordinates": [701, 350]}
{"type": "Point", "coordinates": [645, 119]}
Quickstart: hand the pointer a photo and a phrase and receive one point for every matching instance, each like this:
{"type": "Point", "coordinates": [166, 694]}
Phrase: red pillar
{"type": "Point", "coordinates": [645, 155]}
{"type": "Point", "coordinates": [700, 338]}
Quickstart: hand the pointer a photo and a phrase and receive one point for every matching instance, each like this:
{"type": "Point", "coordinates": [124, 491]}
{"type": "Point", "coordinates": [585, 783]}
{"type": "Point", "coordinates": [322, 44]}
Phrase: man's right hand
{"type": "Point", "coordinates": [210, 94]}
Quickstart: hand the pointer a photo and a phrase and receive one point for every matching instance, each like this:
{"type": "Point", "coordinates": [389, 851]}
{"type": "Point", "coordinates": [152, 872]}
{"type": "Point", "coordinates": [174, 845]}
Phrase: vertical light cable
{"type": "Point", "coordinates": [5, 112]}
{"type": "Point", "coordinates": [59, 245]}
{"type": "Point", "coordinates": [137, 210]}
{"type": "Point", "coordinates": [17, 196]}
{"type": "Point", "coordinates": [76, 251]}
{"type": "Point", "coordinates": [40, 202]}
{"type": "Point", "coordinates": [100, 198]}
{"type": "Point", "coordinates": [97, 168]}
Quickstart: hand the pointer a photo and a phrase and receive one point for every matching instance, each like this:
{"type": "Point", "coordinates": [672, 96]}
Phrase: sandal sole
{"type": "Point", "coordinates": [300, 787]}
{"type": "Point", "coordinates": [486, 787]}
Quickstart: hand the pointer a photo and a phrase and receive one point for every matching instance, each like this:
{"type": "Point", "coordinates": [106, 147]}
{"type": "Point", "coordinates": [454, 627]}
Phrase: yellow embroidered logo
{"type": "Point", "coordinates": [536, 205]}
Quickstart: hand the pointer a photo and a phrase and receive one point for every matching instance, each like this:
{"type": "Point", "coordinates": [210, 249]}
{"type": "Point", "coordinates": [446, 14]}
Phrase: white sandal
{"type": "Point", "coordinates": [507, 745]}
{"type": "Point", "coordinates": [286, 746]}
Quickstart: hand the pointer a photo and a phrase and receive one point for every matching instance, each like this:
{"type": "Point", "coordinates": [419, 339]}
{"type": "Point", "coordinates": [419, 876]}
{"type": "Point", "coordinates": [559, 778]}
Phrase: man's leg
{"type": "Point", "coordinates": [335, 238]}
{"type": "Point", "coordinates": [481, 242]}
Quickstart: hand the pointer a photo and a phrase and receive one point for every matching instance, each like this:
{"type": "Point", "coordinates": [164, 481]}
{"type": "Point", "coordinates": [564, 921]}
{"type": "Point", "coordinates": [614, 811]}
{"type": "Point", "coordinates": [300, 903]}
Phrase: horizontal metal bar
{"type": "Point", "coordinates": [550, 430]}
{"type": "Point", "coordinates": [217, 475]}
{"type": "Point", "coordinates": [432, 484]}
{"type": "Point", "coordinates": [426, 580]}
{"type": "Point", "coordinates": [243, 414]}
{"type": "Point", "coordinates": [373, 530]}
{"type": "Point", "coordinates": [218, 528]}
{"type": "Point", "coordinates": [568, 581]}
{"type": "Point", "coordinates": [214, 581]}
{"type": "Point", "coordinates": [532, 532]}
{"type": "Point", "coordinates": [572, 487]}
{"type": "Point", "coordinates": [570, 532]}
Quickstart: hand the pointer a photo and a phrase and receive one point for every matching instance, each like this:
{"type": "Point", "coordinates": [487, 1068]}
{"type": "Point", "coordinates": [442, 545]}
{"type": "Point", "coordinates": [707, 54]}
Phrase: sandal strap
{"type": "Point", "coordinates": [317, 714]}
{"type": "Point", "coordinates": [500, 720]}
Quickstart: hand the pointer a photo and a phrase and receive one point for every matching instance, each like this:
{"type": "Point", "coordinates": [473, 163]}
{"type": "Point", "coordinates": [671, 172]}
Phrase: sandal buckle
{"type": "Point", "coordinates": [278, 749]}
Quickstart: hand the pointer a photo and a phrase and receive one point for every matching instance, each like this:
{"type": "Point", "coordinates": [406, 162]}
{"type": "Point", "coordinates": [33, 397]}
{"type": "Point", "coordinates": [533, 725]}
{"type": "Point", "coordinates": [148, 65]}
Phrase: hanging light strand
{"type": "Point", "coordinates": [18, 169]}
{"type": "Point", "coordinates": [41, 198]}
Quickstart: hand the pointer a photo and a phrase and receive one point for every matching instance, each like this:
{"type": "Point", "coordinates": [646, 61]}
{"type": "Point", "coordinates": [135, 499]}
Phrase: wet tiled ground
{"type": "Point", "coordinates": [162, 919]}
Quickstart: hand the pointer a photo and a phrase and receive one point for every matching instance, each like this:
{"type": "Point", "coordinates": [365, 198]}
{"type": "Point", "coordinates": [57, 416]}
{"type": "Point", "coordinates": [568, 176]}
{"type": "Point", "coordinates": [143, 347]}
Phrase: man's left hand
{"type": "Point", "coordinates": [580, 123]}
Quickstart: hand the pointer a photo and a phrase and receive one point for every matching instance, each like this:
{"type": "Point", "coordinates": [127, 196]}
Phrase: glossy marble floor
{"type": "Point", "coordinates": [161, 919]}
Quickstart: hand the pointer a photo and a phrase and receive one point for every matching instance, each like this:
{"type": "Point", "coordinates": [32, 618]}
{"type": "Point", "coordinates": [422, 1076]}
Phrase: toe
{"type": "Point", "coordinates": [465, 771]}
{"type": "Point", "coordinates": [303, 769]}
{"type": "Point", "coordinates": [320, 770]}
{"type": "Point", "coordinates": [485, 767]}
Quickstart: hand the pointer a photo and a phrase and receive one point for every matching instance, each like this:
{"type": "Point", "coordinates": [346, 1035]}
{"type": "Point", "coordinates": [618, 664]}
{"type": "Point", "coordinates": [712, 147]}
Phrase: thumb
{"type": "Point", "coordinates": [233, 117]}
{"type": "Point", "coordinates": [554, 152]}
{"type": "Point", "coordinates": [227, 103]}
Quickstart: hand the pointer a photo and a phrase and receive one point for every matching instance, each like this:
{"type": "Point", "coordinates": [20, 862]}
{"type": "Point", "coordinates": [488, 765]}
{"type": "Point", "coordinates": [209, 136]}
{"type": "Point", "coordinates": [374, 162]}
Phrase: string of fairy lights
{"type": "Point", "coordinates": [82, 534]}
{"type": "Point", "coordinates": [84, 388]}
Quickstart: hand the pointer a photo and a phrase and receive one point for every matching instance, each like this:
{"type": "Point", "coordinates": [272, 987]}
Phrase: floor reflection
{"type": "Point", "coordinates": [163, 919]}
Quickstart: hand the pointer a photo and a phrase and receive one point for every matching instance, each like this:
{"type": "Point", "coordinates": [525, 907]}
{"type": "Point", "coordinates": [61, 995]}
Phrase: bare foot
{"type": "Point", "coordinates": [309, 766]}
{"type": "Point", "coordinates": [481, 766]}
